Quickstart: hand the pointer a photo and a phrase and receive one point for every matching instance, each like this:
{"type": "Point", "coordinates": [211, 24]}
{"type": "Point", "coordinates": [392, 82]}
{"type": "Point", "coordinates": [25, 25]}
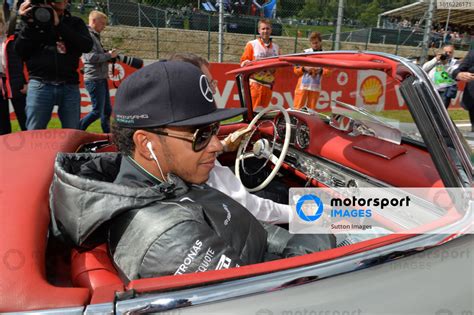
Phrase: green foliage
{"type": "Point", "coordinates": [287, 8]}
{"type": "Point", "coordinates": [168, 3]}
{"type": "Point", "coordinates": [305, 30]}
{"type": "Point", "coordinates": [370, 15]}
{"type": "Point", "coordinates": [364, 11]}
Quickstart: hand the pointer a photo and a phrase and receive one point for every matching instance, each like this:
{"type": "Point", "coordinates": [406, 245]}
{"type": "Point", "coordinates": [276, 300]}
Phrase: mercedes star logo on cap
{"type": "Point", "coordinates": [206, 89]}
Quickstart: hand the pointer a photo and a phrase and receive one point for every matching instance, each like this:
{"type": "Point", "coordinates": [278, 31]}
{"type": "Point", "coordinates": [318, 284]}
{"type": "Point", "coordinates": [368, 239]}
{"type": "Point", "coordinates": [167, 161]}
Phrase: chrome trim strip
{"type": "Point", "coordinates": [340, 169]}
{"type": "Point", "coordinates": [103, 309]}
{"type": "Point", "coordinates": [351, 172]}
{"type": "Point", "coordinates": [372, 152]}
{"type": "Point", "coordinates": [282, 279]}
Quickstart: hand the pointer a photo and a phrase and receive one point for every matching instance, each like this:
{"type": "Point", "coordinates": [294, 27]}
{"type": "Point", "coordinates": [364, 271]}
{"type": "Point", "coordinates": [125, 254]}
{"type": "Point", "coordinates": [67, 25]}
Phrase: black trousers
{"type": "Point", "coordinates": [5, 126]}
{"type": "Point", "coordinates": [19, 103]}
{"type": "Point", "coordinates": [282, 244]}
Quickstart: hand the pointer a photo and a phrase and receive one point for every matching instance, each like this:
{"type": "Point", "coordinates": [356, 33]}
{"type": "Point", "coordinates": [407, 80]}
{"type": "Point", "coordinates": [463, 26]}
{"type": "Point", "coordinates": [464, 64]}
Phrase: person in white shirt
{"type": "Point", "coordinates": [265, 210]}
{"type": "Point", "coordinates": [439, 70]}
{"type": "Point", "coordinates": [224, 180]}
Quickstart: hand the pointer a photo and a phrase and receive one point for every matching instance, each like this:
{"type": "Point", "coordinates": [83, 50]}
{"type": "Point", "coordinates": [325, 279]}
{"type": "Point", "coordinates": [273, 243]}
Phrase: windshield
{"type": "Point", "coordinates": [370, 96]}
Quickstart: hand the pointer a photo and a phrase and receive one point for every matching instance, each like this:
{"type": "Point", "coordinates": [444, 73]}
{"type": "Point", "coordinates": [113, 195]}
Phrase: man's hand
{"type": "Point", "coordinates": [25, 10]}
{"type": "Point", "coordinates": [24, 89]}
{"type": "Point", "coordinates": [56, 16]}
{"type": "Point", "coordinates": [232, 141]}
{"type": "Point", "coordinates": [313, 71]}
{"type": "Point", "coordinates": [245, 62]}
{"type": "Point", "coordinates": [113, 53]}
{"type": "Point", "coordinates": [465, 76]}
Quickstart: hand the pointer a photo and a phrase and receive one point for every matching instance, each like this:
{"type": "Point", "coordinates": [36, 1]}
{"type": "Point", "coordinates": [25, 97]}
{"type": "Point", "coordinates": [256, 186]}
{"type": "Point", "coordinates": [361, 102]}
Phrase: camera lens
{"type": "Point", "coordinates": [136, 63]}
{"type": "Point", "coordinates": [42, 15]}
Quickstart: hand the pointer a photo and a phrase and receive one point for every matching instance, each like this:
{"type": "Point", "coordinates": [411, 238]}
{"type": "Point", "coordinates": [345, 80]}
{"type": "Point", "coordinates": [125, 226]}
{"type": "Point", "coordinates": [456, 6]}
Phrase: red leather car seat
{"type": "Point", "coordinates": [93, 269]}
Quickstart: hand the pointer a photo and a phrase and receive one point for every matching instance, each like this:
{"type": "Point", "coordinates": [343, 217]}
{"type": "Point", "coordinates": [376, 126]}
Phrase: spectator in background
{"type": "Point", "coordinates": [96, 73]}
{"type": "Point", "coordinates": [261, 83]}
{"type": "Point", "coordinates": [52, 53]}
{"type": "Point", "coordinates": [309, 83]}
{"type": "Point", "coordinates": [15, 84]}
{"type": "Point", "coordinates": [439, 69]}
{"type": "Point", "coordinates": [465, 72]}
{"type": "Point", "coordinates": [5, 126]}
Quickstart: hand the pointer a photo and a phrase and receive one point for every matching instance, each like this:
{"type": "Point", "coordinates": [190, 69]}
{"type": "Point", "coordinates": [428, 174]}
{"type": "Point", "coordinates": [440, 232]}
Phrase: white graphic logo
{"type": "Point", "coordinates": [229, 216]}
{"type": "Point", "coordinates": [224, 263]}
{"type": "Point", "coordinates": [118, 72]}
{"type": "Point", "coordinates": [205, 88]}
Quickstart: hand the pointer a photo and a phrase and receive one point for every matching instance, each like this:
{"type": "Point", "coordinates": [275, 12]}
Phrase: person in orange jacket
{"type": "Point", "coordinates": [261, 83]}
{"type": "Point", "coordinates": [309, 83]}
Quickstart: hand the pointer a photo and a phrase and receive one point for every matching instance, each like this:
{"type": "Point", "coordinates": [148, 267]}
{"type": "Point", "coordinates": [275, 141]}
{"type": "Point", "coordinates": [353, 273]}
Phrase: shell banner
{"type": "Point", "coordinates": [363, 88]}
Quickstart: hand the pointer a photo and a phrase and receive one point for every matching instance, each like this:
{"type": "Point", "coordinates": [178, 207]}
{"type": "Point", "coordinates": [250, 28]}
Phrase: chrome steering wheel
{"type": "Point", "coordinates": [262, 149]}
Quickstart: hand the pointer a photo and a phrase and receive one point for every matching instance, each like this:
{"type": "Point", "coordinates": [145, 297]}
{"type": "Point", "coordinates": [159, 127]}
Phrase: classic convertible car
{"type": "Point", "coordinates": [378, 123]}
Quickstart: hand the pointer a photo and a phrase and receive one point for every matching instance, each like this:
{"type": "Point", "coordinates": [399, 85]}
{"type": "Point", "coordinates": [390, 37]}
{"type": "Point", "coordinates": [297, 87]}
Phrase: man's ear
{"type": "Point", "coordinates": [141, 139]}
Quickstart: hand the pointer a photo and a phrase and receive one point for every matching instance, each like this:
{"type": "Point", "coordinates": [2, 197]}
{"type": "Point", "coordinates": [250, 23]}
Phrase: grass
{"type": "Point", "coordinates": [291, 30]}
{"type": "Point", "coordinates": [405, 116]}
{"type": "Point", "coordinates": [400, 115]}
{"type": "Point", "coordinates": [55, 124]}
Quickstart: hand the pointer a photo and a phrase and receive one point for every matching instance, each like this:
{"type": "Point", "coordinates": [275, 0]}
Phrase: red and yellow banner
{"type": "Point", "coordinates": [368, 88]}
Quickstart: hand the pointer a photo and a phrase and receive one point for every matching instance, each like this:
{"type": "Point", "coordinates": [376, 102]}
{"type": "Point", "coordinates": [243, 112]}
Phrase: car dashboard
{"type": "Point", "coordinates": [315, 170]}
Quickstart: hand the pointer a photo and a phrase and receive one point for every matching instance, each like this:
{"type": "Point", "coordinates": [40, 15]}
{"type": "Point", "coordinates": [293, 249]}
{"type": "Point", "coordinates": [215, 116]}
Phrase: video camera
{"type": "Point", "coordinates": [444, 57]}
{"type": "Point", "coordinates": [134, 62]}
{"type": "Point", "coordinates": [42, 16]}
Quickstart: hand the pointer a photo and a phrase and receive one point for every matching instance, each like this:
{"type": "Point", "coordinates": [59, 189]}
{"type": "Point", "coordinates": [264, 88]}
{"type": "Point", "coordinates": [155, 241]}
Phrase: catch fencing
{"type": "Point", "coordinates": [148, 31]}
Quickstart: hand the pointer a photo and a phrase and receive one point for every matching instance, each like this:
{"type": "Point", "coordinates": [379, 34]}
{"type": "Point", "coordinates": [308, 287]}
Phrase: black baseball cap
{"type": "Point", "coordinates": [168, 93]}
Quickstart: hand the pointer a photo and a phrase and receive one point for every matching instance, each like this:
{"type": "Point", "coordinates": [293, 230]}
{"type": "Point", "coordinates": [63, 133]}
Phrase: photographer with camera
{"type": "Point", "coordinates": [439, 70]}
{"type": "Point", "coordinates": [51, 41]}
{"type": "Point", "coordinates": [96, 73]}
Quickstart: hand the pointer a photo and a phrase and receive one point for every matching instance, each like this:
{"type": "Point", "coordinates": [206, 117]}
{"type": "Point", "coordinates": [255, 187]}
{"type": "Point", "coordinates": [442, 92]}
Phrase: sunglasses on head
{"type": "Point", "coordinates": [200, 138]}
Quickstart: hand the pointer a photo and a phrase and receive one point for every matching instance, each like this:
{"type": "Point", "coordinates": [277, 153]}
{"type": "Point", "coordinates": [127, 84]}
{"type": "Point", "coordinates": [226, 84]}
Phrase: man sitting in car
{"type": "Point", "coordinates": [151, 199]}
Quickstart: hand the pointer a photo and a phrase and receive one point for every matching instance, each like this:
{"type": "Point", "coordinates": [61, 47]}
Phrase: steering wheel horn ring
{"type": "Point", "coordinates": [263, 149]}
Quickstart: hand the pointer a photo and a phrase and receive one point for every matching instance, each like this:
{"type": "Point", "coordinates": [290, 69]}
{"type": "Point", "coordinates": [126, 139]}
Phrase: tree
{"type": "Point", "coordinates": [311, 9]}
{"type": "Point", "coordinates": [370, 15]}
{"type": "Point", "coordinates": [286, 8]}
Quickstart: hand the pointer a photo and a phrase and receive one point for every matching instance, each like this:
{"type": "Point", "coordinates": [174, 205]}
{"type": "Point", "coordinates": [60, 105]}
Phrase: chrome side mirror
{"type": "Point", "coordinates": [341, 122]}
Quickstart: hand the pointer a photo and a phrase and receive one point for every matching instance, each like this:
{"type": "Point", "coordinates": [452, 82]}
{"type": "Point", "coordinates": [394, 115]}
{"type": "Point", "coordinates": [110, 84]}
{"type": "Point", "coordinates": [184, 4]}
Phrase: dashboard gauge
{"type": "Point", "coordinates": [281, 127]}
{"type": "Point", "coordinates": [302, 136]}
{"type": "Point", "coordinates": [293, 121]}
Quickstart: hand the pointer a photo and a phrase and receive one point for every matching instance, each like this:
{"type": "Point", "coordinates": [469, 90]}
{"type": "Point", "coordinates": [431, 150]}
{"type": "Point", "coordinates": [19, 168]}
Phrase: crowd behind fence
{"type": "Point", "coordinates": [238, 29]}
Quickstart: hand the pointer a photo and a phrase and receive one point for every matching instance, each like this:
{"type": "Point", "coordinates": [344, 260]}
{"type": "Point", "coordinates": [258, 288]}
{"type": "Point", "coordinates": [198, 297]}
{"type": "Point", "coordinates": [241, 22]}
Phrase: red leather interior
{"type": "Point", "coordinates": [26, 160]}
{"type": "Point", "coordinates": [93, 269]}
{"type": "Point", "coordinates": [400, 171]}
{"type": "Point", "coordinates": [195, 279]}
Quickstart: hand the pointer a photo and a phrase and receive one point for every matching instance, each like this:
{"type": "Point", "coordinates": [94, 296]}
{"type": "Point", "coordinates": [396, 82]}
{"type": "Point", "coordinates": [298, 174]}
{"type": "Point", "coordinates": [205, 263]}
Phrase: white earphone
{"type": "Point", "coordinates": [150, 148]}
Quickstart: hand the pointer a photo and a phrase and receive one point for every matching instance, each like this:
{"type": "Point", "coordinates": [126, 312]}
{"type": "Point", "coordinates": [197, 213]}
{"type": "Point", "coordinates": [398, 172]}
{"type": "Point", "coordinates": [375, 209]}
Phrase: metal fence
{"type": "Point", "coordinates": [155, 33]}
